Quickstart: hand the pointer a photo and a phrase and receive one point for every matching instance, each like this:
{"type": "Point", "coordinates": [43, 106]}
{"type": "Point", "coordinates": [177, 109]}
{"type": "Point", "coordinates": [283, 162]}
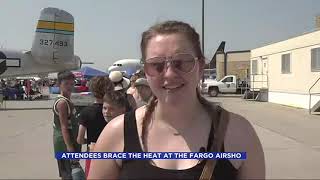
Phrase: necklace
{"type": "Point", "coordinates": [174, 131]}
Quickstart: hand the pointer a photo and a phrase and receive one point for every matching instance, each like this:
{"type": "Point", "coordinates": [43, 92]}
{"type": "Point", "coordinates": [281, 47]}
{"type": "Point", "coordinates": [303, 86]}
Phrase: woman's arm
{"type": "Point", "coordinates": [110, 140]}
{"type": "Point", "coordinates": [254, 166]}
{"type": "Point", "coordinates": [241, 136]}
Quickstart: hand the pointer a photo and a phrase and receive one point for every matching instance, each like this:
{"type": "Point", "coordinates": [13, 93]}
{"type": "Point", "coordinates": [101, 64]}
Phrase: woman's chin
{"type": "Point", "coordinates": [173, 99]}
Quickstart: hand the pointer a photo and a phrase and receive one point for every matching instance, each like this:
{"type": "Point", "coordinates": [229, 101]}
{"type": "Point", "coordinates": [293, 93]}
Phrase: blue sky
{"type": "Point", "coordinates": [109, 30]}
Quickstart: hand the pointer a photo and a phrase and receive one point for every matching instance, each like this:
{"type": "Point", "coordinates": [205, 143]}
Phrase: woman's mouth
{"type": "Point", "coordinates": [172, 87]}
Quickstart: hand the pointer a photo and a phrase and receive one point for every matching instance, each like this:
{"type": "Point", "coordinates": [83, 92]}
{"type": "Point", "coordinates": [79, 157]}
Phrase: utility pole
{"type": "Point", "coordinates": [203, 36]}
{"type": "Point", "coordinates": [203, 26]}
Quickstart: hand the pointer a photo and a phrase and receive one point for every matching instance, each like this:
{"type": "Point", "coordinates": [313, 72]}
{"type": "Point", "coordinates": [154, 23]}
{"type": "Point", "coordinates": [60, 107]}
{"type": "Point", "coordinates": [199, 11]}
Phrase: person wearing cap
{"type": "Point", "coordinates": [142, 92]}
{"type": "Point", "coordinates": [122, 84]}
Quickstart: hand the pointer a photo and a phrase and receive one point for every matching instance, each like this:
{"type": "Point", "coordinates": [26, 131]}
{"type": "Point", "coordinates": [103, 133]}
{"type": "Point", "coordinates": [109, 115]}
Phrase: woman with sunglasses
{"type": "Point", "coordinates": [177, 118]}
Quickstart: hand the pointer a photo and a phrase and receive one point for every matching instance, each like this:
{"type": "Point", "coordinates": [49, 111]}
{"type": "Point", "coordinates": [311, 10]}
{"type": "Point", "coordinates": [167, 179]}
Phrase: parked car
{"type": "Point", "coordinates": [228, 84]}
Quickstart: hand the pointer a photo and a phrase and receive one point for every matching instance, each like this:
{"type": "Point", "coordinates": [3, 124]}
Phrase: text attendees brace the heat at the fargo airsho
{"type": "Point", "coordinates": [152, 155]}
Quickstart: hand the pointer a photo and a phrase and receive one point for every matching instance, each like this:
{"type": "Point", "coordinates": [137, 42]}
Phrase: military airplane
{"type": "Point", "coordinates": [52, 48]}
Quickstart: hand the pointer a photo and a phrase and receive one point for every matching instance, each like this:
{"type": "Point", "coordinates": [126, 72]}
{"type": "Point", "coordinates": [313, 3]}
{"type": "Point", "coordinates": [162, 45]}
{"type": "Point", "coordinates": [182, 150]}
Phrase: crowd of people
{"type": "Point", "coordinates": [114, 95]}
{"type": "Point", "coordinates": [25, 89]}
{"type": "Point", "coordinates": [33, 89]}
{"type": "Point", "coordinates": [161, 112]}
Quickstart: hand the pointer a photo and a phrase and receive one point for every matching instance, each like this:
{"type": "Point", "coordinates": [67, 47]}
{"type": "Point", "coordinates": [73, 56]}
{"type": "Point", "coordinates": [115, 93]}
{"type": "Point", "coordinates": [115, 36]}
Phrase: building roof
{"type": "Point", "coordinates": [292, 37]}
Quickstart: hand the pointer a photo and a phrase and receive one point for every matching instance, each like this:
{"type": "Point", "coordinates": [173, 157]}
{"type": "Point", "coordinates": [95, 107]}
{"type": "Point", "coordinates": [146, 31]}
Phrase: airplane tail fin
{"type": "Point", "coordinates": [221, 47]}
{"type": "Point", "coordinates": [3, 63]}
{"type": "Point", "coordinates": [54, 37]}
{"type": "Point", "coordinates": [212, 63]}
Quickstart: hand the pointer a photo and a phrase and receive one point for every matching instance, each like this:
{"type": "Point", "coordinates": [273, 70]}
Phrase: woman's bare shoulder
{"type": "Point", "coordinates": [111, 139]}
{"type": "Point", "coordinates": [240, 132]}
{"type": "Point", "coordinates": [112, 136]}
{"type": "Point", "coordinates": [241, 137]}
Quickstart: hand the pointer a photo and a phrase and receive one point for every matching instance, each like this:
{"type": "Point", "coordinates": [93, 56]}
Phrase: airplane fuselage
{"type": "Point", "coordinates": [128, 66]}
{"type": "Point", "coordinates": [20, 63]}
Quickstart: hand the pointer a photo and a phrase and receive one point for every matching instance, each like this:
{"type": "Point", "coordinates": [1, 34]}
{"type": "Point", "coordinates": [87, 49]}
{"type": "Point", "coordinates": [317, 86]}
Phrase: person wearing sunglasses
{"type": "Point", "coordinates": [177, 119]}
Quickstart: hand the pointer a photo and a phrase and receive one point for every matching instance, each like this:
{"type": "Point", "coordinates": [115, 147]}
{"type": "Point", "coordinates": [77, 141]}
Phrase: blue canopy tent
{"type": "Point", "coordinates": [89, 72]}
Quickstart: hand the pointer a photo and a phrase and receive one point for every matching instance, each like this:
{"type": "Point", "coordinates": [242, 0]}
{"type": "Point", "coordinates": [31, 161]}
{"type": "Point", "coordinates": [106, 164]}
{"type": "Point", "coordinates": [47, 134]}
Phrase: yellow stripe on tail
{"type": "Point", "coordinates": [55, 26]}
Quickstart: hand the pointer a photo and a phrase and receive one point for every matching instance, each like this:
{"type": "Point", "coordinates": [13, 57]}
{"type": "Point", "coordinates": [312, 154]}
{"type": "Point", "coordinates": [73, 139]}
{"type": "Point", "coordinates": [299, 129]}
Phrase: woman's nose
{"type": "Point", "coordinates": [169, 69]}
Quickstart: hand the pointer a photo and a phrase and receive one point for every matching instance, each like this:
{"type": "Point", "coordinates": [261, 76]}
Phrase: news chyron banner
{"type": "Point", "coordinates": [152, 155]}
